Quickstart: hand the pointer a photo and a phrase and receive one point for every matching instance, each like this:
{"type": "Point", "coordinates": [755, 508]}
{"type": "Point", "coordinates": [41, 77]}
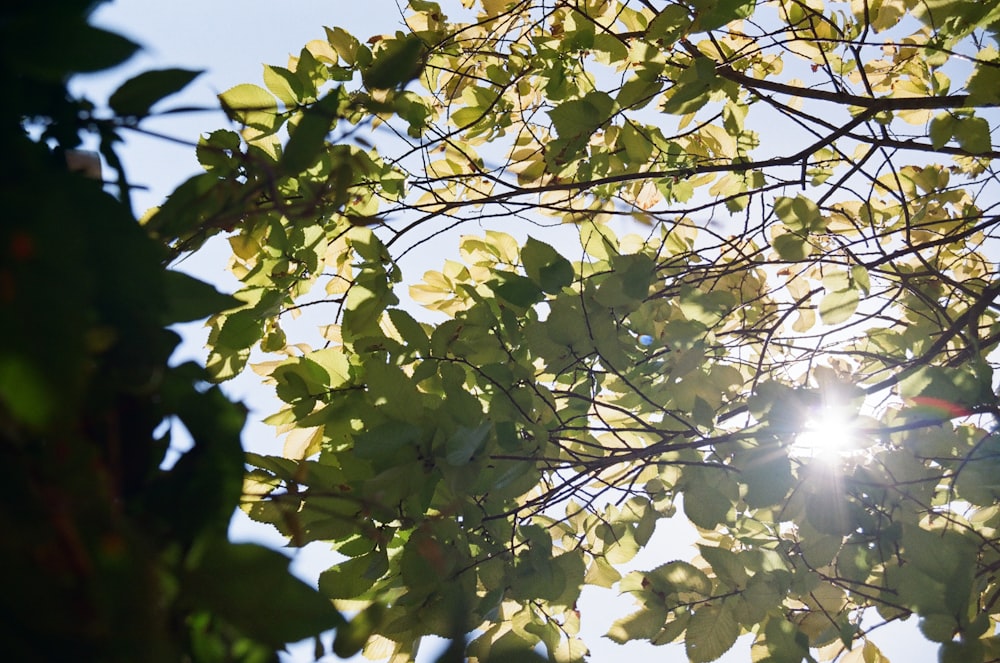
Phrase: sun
{"type": "Point", "coordinates": [830, 432]}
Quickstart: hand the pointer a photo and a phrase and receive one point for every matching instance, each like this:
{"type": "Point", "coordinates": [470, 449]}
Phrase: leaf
{"type": "Point", "coordinates": [711, 632]}
{"type": "Point", "coordinates": [829, 515]}
{"type": "Point", "coordinates": [308, 138]}
{"type": "Point", "coordinates": [791, 247]}
{"type": "Point", "coordinates": [692, 88]}
{"type": "Point", "coordinates": [186, 298]}
{"type": "Point", "coordinates": [583, 116]}
{"type": "Point", "coordinates": [239, 330]}
{"type": "Point", "coordinates": [398, 62]}
{"type": "Point", "coordinates": [353, 577]}
{"type": "Point", "coordinates": [799, 214]}
{"type": "Point", "coordinates": [712, 14]}
{"type": "Point", "coordinates": [136, 96]}
{"type": "Point", "coordinates": [939, 628]}
{"type": "Point", "coordinates": [641, 625]}
{"type": "Point", "coordinates": [669, 24]}
{"type": "Point", "coordinates": [383, 440]}
{"type": "Point", "coordinates": [973, 135]}
{"type": "Point", "coordinates": [545, 267]}
{"type": "Point", "coordinates": [516, 289]}
{"type": "Point", "coordinates": [464, 443]}
{"type": "Point", "coordinates": [838, 306]}
{"type": "Point", "coordinates": [251, 105]}
{"type": "Point", "coordinates": [48, 46]}
{"type": "Point", "coordinates": [961, 652]}
{"type": "Point", "coordinates": [726, 564]}
{"type": "Point", "coordinates": [251, 588]}
{"type": "Point", "coordinates": [984, 84]}
{"type": "Point", "coordinates": [942, 129]}
{"type": "Point", "coordinates": [767, 475]}
{"type": "Point", "coordinates": [859, 275]}
{"type": "Point", "coordinates": [570, 650]}
{"type": "Point", "coordinates": [677, 577]}
{"type": "Point", "coordinates": [352, 636]}
{"type": "Point", "coordinates": [705, 506]}
{"type": "Point", "coordinates": [635, 94]}
{"type": "Point", "coordinates": [364, 306]}
{"type": "Point", "coordinates": [219, 151]}
{"type": "Point", "coordinates": [348, 47]}
{"type": "Point", "coordinates": [410, 330]}
{"type": "Point", "coordinates": [283, 84]}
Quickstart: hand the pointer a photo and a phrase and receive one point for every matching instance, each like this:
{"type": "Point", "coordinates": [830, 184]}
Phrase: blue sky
{"type": "Point", "coordinates": [231, 40]}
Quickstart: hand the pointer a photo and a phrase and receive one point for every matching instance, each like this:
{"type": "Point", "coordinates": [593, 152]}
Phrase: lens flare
{"type": "Point", "coordinates": [830, 433]}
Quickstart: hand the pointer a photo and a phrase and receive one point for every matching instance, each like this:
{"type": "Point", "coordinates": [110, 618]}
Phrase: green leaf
{"type": "Point", "coordinates": [24, 392]}
{"type": "Point", "coordinates": [186, 298]}
{"type": "Point", "coordinates": [240, 330]}
{"type": "Point", "coordinates": [669, 23]}
{"type": "Point", "coordinates": [710, 633]}
{"type": "Point", "coordinates": [307, 139]}
{"type": "Point", "coordinates": [464, 443]}
{"type": "Point", "coordinates": [642, 625]}
{"type": "Point", "coordinates": [545, 267]}
{"type": "Point", "coordinates": [353, 577]}
{"type": "Point", "coordinates": [385, 439]}
{"type": "Point", "coordinates": [829, 515]}
{"type": "Point", "coordinates": [516, 289]}
{"type": "Point", "coordinates": [283, 84]}
{"type": "Point", "coordinates": [942, 129]}
{"type": "Point", "coordinates": [253, 106]}
{"type": "Point", "coordinates": [838, 306]}
{"type": "Point", "coordinates": [767, 474]}
{"type": "Point", "coordinates": [791, 247]}
{"type": "Point", "coordinates": [579, 117]}
{"type": "Point", "coordinates": [635, 94]}
{"type": "Point", "coordinates": [799, 214]}
{"type": "Point", "coordinates": [939, 628]}
{"type": "Point", "coordinates": [984, 84]}
{"type": "Point", "coordinates": [398, 62]}
{"type": "Point", "coordinates": [692, 88]}
{"type": "Point", "coordinates": [219, 152]}
{"type": "Point", "coordinates": [51, 45]}
{"type": "Point", "coordinates": [859, 275]}
{"type": "Point", "coordinates": [973, 135]}
{"type": "Point", "coordinates": [351, 637]}
{"type": "Point", "coordinates": [136, 96]}
{"type": "Point", "coordinates": [364, 306]}
{"type": "Point", "coordinates": [250, 587]}
{"type": "Point", "coordinates": [637, 273]}
{"type": "Point", "coordinates": [785, 642]}
{"type": "Point", "coordinates": [410, 330]}
{"type": "Point", "coordinates": [726, 564]}
{"type": "Point", "coordinates": [712, 14]}
{"type": "Point", "coordinates": [704, 505]}
{"type": "Point", "coordinates": [961, 652]}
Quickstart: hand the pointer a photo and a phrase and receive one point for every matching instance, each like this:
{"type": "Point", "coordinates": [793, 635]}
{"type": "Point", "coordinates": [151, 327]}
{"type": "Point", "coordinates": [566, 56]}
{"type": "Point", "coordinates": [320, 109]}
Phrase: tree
{"type": "Point", "coordinates": [106, 555]}
{"type": "Point", "coordinates": [786, 212]}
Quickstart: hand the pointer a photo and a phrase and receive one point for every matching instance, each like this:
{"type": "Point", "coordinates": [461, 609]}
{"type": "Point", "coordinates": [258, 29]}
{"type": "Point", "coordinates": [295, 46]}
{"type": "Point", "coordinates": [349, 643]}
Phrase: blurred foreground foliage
{"type": "Point", "coordinates": [105, 556]}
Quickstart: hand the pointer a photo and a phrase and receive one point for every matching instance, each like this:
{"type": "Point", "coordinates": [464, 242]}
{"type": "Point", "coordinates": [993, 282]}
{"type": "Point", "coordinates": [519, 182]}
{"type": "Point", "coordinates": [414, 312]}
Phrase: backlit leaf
{"type": "Point", "coordinates": [710, 633]}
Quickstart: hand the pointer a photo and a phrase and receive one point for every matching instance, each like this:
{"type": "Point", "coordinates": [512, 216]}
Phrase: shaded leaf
{"type": "Point", "coordinates": [249, 586]}
{"type": "Point", "coordinates": [710, 633]}
{"type": "Point", "coordinates": [136, 96]}
{"type": "Point", "coordinates": [187, 298]}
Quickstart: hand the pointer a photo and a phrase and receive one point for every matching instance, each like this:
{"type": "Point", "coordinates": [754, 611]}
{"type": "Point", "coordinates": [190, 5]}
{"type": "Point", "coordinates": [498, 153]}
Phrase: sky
{"type": "Point", "coordinates": [231, 40]}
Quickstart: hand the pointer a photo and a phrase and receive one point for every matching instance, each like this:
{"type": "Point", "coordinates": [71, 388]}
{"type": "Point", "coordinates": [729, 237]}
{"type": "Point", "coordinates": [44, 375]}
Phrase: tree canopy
{"type": "Point", "coordinates": [786, 216]}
